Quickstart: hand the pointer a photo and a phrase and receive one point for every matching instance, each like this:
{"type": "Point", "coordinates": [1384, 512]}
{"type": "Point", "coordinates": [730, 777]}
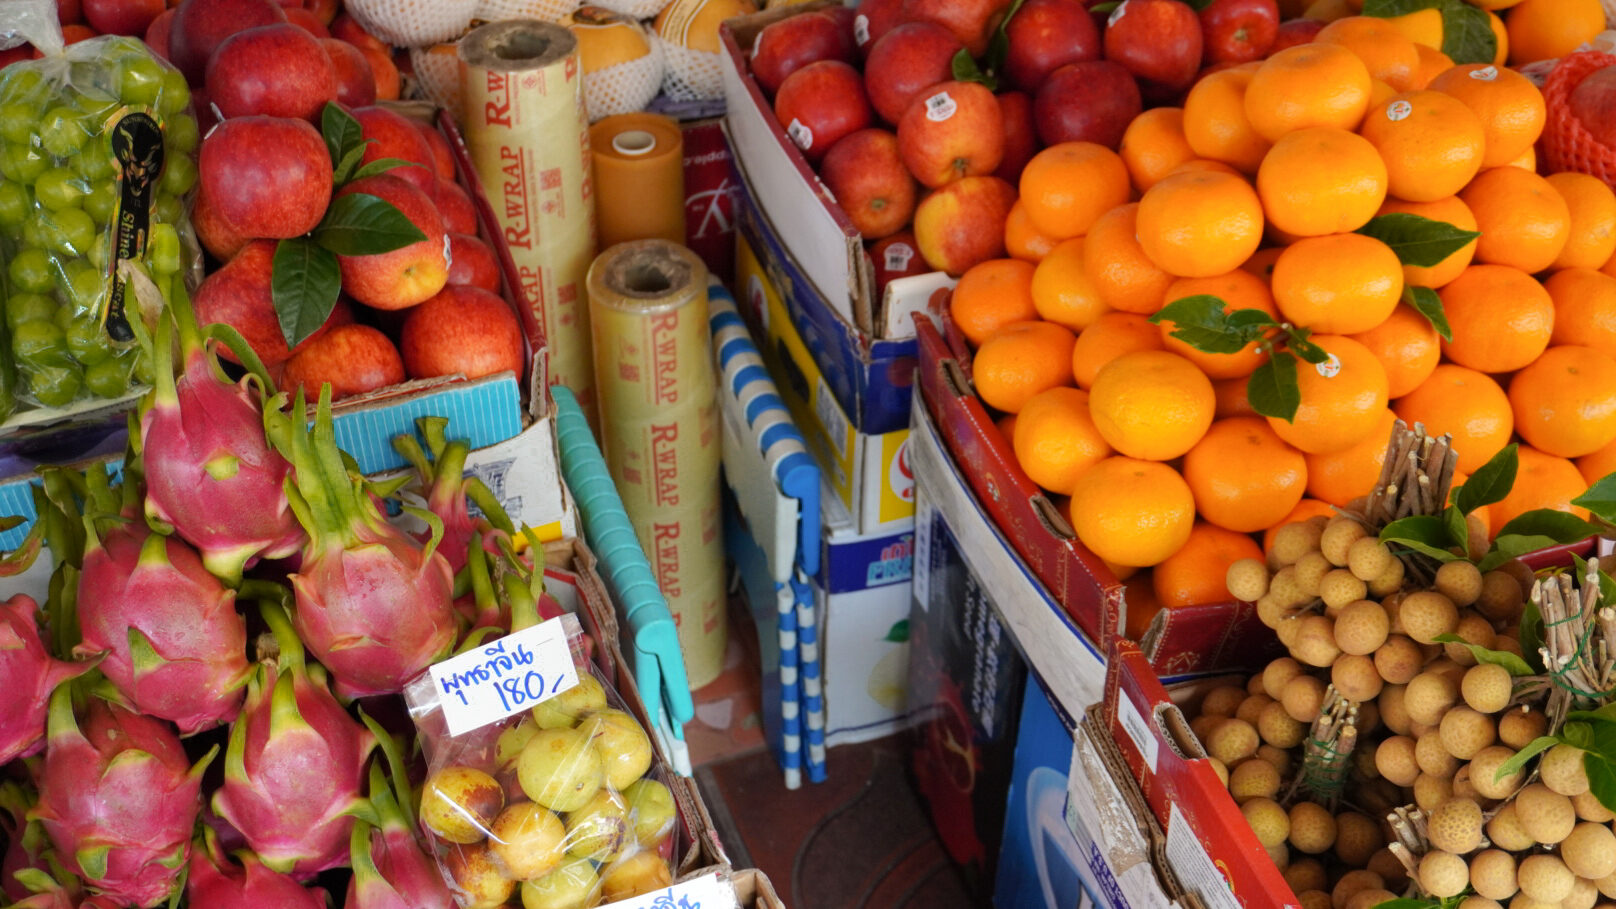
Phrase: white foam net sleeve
{"type": "Point", "coordinates": [413, 23]}
{"type": "Point", "coordinates": [691, 75]}
{"type": "Point", "coordinates": [626, 87]}
{"type": "Point", "coordinates": [546, 10]}
{"type": "Point", "coordinates": [637, 9]}
{"type": "Point", "coordinates": [437, 74]}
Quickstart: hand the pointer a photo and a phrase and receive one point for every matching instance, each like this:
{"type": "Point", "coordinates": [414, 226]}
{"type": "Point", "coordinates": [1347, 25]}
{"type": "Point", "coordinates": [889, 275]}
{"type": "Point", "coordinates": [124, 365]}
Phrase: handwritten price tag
{"type": "Point", "coordinates": [504, 677]}
{"type": "Point", "coordinates": [710, 891]}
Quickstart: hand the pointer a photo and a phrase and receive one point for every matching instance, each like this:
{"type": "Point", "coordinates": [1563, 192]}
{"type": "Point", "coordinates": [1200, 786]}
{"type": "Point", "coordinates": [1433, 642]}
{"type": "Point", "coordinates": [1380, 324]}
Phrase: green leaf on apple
{"type": "Point", "coordinates": [1426, 302]}
{"type": "Point", "coordinates": [304, 285]}
{"type": "Point", "coordinates": [1272, 388]}
{"type": "Point", "coordinates": [360, 224]}
{"type": "Point", "coordinates": [999, 45]}
{"type": "Point", "coordinates": [965, 70]}
{"type": "Point", "coordinates": [343, 135]}
{"type": "Point", "coordinates": [383, 165]}
{"type": "Point", "coordinates": [344, 171]}
{"type": "Point", "coordinates": [1418, 241]}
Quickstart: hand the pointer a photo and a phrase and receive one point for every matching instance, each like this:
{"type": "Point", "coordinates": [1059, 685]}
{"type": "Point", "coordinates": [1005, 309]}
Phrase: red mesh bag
{"type": "Point", "coordinates": [1566, 143]}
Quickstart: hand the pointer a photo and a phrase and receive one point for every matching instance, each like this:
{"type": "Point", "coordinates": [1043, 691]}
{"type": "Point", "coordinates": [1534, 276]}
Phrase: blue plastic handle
{"type": "Point", "coordinates": [659, 665]}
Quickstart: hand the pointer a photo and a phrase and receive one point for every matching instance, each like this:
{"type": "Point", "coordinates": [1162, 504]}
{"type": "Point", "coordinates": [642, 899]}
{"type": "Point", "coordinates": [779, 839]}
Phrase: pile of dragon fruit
{"type": "Point", "coordinates": [237, 587]}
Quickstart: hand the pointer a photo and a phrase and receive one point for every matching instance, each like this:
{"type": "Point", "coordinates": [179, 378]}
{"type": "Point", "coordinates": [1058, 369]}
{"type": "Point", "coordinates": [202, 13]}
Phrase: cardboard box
{"type": "Point", "coordinates": [861, 450]}
{"type": "Point", "coordinates": [862, 591]}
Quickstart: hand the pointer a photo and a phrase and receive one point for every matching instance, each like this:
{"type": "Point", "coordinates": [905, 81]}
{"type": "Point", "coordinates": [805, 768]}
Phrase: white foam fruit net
{"type": "Point", "coordinates": [636, 9]}
{"type": "Point", "coordinates": [437, 76]}
{"type": "Point", "coordinates": [546, 10]}
{"type": "Point", "coordinates": [691, 75]}
{"type": "Point", "coordinates": [413, 23]}
{"type": "Point", "coordinates": [626, 87]}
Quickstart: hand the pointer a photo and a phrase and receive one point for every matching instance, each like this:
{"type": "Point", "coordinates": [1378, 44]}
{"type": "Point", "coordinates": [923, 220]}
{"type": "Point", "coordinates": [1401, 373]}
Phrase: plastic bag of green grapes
{"type": "Point", "coordinates": [97, 160]}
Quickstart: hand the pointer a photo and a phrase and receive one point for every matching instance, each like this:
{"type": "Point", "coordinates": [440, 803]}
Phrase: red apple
{"type": "Point", "coordinates": [464, 330]}
{"type": "Point", "coordinates": [952, 130]}
{"type": "Point", "coordinates": [1092, 101]}
{"type": "Point", "coordinates": [895, 256]}
{"type": "Point", "coordinates": [971, 21]}
{"type": "Point", "coordinates": [11, 55]}
{"type": "Point", "coordinates": [239, 295]}
{"type": "Point", "coordinates": [277, 70]}
{"type": "Point", "coordinates": [1593, 102]}
{"type": "Point", "coordinates": [1045, 35]}
{"type": "Point", "coordinates": [454, 205]}
{"type": "Point", "coordinates": [307, 21]}
{"type": "Point", "coordinates": [785, 46]}
{"type": "Point", "coordinates": [69, 12]}
{"type": "Point", "coordinates": [905, 62]}
{"type": "Point", "coordinates": [392, 135]}
{"type": "Point", "coordinates": [157, 32]}
{"type": "Point", "coordinates": [844, 16]}
{"type": "Point", "coordinates": [1293, 32]}
{"type": "Point", "coordinates": [443, 162]}
{"type": "Point", "coordinates": [352, 358]}
{"type": "Point", "coordinates": [343, 27]}
{"type": "Point", "coordinates": [73, 34]}
{"type": "Point", "coordinates": [874, 18]}
{"type": "Point", "coordinates": [1235, 31]}
{"type": "Point", "coordinates": [217, 237]}
{"type": "Point", "coordinates": [1020, 135]}
{"type": "Point", "coordinates": [867, 176]}
{"type": "Point", "coordinates": [323, 10]}
{"type": "Point", "coordinates": [962, 223]}
{"type": "Point", "coordinates": [266, 176]}
{"type": "Point", "coordinates": [121, 17]}
{"type": "Point", "coordinates": [356, 87]}
{"type": "Point", "coordinates": [202, 25]}
{"type": "Point", "coordinates": [385, 70]}
{"type": "Point", "coordinates": [1158, 41]}
{"type": "Point", "coordinates": [471, 261]}
{"type": "Point", "coordinates": [403, 277]}
{"type": "Point", "coordinates": [820, 103]}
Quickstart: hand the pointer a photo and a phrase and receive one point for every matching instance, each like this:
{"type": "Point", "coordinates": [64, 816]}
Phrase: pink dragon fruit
{"type": "Point", "coordinates": [210, 471]}
{"type": "Point", "coordinates": [391, 868]}
{"type": "Point", "coordinates": [118, 799]}
{"type": "Point", "coordinates": [175, 646]}
{"type": "Point", "coordinates": [25, 840]}
{"type": "Point", "coordinates": [373, 605]}
{"type": "Point", "coordinates": [28, 674]}
{"type": "Point", "coordinates": [440, 467]}
{"type": "Point", "coordinates": [216, 883]}
{"type": "Point", "coordinates": [295, 763]}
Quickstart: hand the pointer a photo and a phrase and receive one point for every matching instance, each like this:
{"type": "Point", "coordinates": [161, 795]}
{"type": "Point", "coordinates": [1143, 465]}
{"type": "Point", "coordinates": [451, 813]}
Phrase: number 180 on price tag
{"type": "Point", "coordinates": [504, 677]}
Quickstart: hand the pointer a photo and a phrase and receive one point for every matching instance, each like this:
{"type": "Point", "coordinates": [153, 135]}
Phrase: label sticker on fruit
{"type": "Point", "coordinates": [1398, 110]}
{"type": "Point", "coordinates": [710, 891]}
{"type": "Point", "coordinates": [940, 107]}
{"type": "Point", "coordinates": [800, 134]}
{"type": "Point", "coordinates": [1330, 368]}
{"type": "Point", "coordinates": [504, 677]}
{"type": "Point", "coordinates": [898, 256]}
{"type": "Point", "coordinates": [1485, 74]}
{"type": "Point", "coordinates": [861, 30]}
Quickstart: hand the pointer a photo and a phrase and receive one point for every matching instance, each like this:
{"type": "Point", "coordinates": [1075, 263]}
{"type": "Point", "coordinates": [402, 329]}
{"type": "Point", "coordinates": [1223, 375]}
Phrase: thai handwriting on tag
{"type": "Point", "coordinates": [710, 891]}
{"type": "Point", "coordinates": [504, 677]}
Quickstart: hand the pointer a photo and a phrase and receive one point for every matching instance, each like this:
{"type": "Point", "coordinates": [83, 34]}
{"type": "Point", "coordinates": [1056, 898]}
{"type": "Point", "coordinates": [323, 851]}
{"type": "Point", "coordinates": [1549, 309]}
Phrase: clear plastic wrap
{"type": "Point", "coordinates": [562, 806]}
{"type": "Point", "coordinates": [98, 153]}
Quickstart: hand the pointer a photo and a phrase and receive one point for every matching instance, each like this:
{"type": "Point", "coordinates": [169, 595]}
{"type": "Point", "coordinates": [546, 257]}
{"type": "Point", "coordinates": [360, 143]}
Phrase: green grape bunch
{"type": "Point", "coordinates": [60, 194]}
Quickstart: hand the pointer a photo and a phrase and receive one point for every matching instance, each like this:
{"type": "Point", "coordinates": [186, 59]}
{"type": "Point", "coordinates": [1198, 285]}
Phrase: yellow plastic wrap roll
{"type": "Point", "coordinates": [659, 429]}
{"type": "Point", "coordinates": [639, 178]}
{"type": "Point", "coordinates": [525, 129]}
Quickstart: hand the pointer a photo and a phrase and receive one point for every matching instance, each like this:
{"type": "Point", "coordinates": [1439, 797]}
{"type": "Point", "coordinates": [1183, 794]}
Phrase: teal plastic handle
{"type": "Point", "coordinates": [659, 666]}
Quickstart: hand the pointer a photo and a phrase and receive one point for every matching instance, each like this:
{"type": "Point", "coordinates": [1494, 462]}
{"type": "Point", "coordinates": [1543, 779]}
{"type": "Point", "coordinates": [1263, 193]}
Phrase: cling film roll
{"type": "Point", "coordinates": [639, 178]}
{"type": "Point", "coordinates": [659, 428]}
{"type": "Point", "coordinates": [526, 131]}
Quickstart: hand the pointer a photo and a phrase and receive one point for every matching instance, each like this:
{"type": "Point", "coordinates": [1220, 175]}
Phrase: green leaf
{"type": "Point", "coordinates": [1307, 350]}
{"type": "Point", "coordinates": [965, 70]}
{"type": "Point", "coordinates": [1467, 35]}
{"type": "Point", "coordinates": [1559, 526]}
{"type": "Point", "coordinates": [1106, 8]}
{"type": "Point", "coordinates": [1458, 527]}
{"type": "Point", "coordinates": [1249, 319]}
{"type": "Point", "coordinates": [1387, 9]}
{"type": "Point", "coordinates": [382, 166]}
{"type": "Point", "coordinates": [1533, 748]}
{"type": "Point", "coordinates": [1600, 499]}
{"type": "Point", "coordinates": [1417, 240]}
{"type": "Point", "coordinates": [899, 632]}
{"type": "Point", "coordinates": [1601, 731]}
{"type": "Point", "coordinates": [1272, 388]}
{"type": "Point", "coordinates": [1490, 482]}
{"type": "Point", "coordinates": [344, 171]}
{"type": "Point", "coordinates": [1607, 713]}
{"type": "Point", "coordinates": [1601, 779]}
{"type": "Point", "coordinates": [1577, 734]}
{"type": "Point", "coordinates": [341, 132]}
{"type": "Point", "coordinates": [304, 284]}
{"type": "Point", "coordinates": [999, 46]}
{"type": "Point", "coordinates": [360, 224]}
{"type": "Point", "coordinates": [1512, 546]}
{"type": "Point", "coordinates": [1200, 310]}
{"type": "Point", "coordinates": [1427, 303]}
{"type": "Point", "coordinates": [1532, 635]}
{"type": "Point", "coordinates": [1425, 533]}
{"type": "Point", "coordinates": [1511, 662]}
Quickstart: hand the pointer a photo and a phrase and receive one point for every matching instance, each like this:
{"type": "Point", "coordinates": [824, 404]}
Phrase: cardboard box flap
{"type": "Point", "coordinates": [824, 240]}
{"type": "Point", "coordinates": [1189, 640]}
